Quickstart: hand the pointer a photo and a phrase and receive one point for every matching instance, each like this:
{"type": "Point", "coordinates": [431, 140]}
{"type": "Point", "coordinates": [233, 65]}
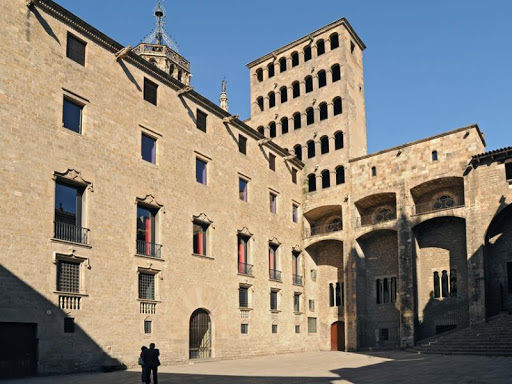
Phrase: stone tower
{"type": "Point", "coordinates": [160, 49]}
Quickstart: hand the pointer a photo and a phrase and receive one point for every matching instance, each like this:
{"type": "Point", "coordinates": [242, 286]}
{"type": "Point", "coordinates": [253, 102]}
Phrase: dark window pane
{"type": "Point", "coordinates": [335, 41]}
{"type": "Point", "coordinates": [437, 287]}
{"type": "Point", "coordinates": [508, 171]}
{"type": "Point", "coordinates": [67, 204]}
{"type": "Point", "coordinates": [320, 48]}
{"type": "Point", "coordinates": [310, 116]}
{"type": "Point", "coordinates": [311, 149]}
{"type": "Point", "coordinates": [150, 91]}
{"type": "Point", "coordinates": [273, 300]}
{"type": "Point", "coordinates": [243, 297]}
{"type": "Point", "coordinates": [444, 284]}
{"type": "Point", "coordinates": [312, 183]}
{"type": "Point", "coordinates": [147, 326]}
{"type": "Point", "coordinates": [200, 171]}
{"type": "Point", "coordinates": [272, 162]}
{"type": "Point", "coordinates": [338, 140]}
{"type": "Point", "coordinates": [284, 126]}
{"type": "Point", "coordinates": [322, 79]}
{"type": "Point", "coordinates": [201, 120]}
{"type": "Point", "coordinates": [307, 53]}
{"type": "Point", "coordinates": [337, 106]}
{"type": "Point", "coordinates": [295, 59]}
{"type": "Point", "coordinates": [242, 189]}
{"type": "Point", "coordinates": [297, 121]}
{"type": "Point", "coordinates": [296, 89]}
{"type": "Point", "coordinates": [331, 295]}
{"type": "Point", "coordinates": [272, 129]}
{"type": "Point", "coordinates": [298, 151]}
{"type": "Point", "coordinates": [340, 175]}
{"type": "Point", "coordinates": [323, 111]}
{"type": "Point", "coordinates": [338, 294]}
{"type": "Point", "coordinates": [72, 116]}
{"type": "Point", "coordinates": [69, 325]}
{"type": "Point", "coordinates": [242, 144]}
{"type": "Point", "coordinates": [336, 73]}
{"type": "Point", "coordinates": [148, 149]}
{"type": "Point", "coordinates": [271, 70]}
{"type": "Point", "coordinates": [75, 49]}
{"type": "Point", "coordinates": [309, 84]}
{"type": "Point", "coordinates": [271, 100]}
{"type": "Point", "coordinates": [244, 328]}
{"type": "Point", "coordinates": [294, 176]}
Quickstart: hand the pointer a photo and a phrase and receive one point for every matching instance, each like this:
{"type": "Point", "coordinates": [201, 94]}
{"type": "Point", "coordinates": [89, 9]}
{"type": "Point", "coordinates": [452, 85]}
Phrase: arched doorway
{"type": "Point", "coordinates": [338, 336]}
{"type": "Point", "coordinates": [200, 339]}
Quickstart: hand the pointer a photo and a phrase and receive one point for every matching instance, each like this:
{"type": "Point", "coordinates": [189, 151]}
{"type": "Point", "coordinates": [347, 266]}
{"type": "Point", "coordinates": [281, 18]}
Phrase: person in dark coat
{"type": "Point", "coordinates": [141, 363]}
{"type": "Point", "coordinates": [151, 363]}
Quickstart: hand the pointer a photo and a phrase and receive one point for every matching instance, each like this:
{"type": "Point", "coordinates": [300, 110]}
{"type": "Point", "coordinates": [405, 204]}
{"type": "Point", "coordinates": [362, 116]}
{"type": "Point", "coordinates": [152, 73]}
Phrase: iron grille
{"type": "Point", "coordinates": [273, 300]}
{"type": "Point", "coordinates": [243, 297]}
{"type": "Point", "coordinates": [244, 328]}
{"type": "Point", "coordinates": [147, 326]}
{"type": "Point", "coordinates": [296, 302]}
{"type": "Point", "coordinates": [244, 268]}
{"type": "Point", "coordinates": [69, 232]}
{"type": "Point", "coordinates": [75, 50]}
{"type": "Point", "coordinates": [311, 324]}
{"type": "Point", "coordinates": [146, 286]}
{"type": "Point", "coordinates": [149, 249]}
{"type": "Point", "coordinates": [297, 329]}
{"type": "Point", "coordinates": [68, 276]}
{"type": "Point", "coordinates": [274, 328]}
{"type": "Point", "coordinates": [200, 335]}
{"type": "Point", "coordinates": [274, 274]}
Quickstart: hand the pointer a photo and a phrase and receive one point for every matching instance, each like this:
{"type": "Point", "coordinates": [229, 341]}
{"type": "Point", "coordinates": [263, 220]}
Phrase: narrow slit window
{"type": "Point", "coordinates": [437, 286]}
{"type": "Point", "coordinates": [312, 182]}
{"type": "Point", "coordinates": [296, 89]}
{"type": "Point", "coordinates": [272, 162]}
{"type": "Point", "coordinates": [273, 203]}
{"type": "Point", "coordinates": [295, 59]}
{"type": "Point", "coordinates": [284, 125]}
{"type": "Point", "coordinates": [444, 284]}
{"type": "Point", "coordinates": [242, 189]}
{"type": "Point", "coordinates": [322, 79]}
{"type": "Point", "coordinates": [298, 151]}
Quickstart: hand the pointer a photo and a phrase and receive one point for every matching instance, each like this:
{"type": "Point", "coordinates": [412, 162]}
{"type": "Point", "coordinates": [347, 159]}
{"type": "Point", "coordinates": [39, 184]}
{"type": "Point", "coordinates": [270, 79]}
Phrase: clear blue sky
{"type": "Point", "coordinates": [430, 66]}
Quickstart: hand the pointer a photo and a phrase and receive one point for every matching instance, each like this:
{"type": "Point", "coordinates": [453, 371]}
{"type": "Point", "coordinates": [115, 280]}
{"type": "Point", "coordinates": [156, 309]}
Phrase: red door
{"type": "Point", "coordinates": [338, 336]}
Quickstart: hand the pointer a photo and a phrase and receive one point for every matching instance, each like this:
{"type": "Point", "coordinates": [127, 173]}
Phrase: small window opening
{"type": "Point", "coordinates": [282, 64]}
{"type": "Point", "coordinates": [322, 79]}
{"type": "Point", "coordinates": [324, 145]}
{"type": "Point", "coordinates": [284, 95]}
{"type": "Point", "coordinates": [326, 179]}
{"type": "Point", "coordinates": [310, 116]}
{"type": "Point", "coordinates": [340, 175]}
{"type": "Point", "coordinates": [434, 155]}
{"type": "Point", "coordinates": [297, 121]}
{"type": "Point", "coordinates": [335, 41]}
{"type": "Point", "coordinates": [309, 84]}
{"type": "Point", "coordinates": [284, 125]}
{"type": "Point", "coordinates": [307, 53]}
{"type": "Point", "coordinates": [297, 149]}
{"type": "Point", "coordinates": [272, 129]}
{"type": "Point", "coordinates": [271, 100]}
{"type": "Point", "coordinates": [259, 74]}
{"type": "Point", "coordinates": [338, 140]}
{"type": "Point", "coordinates": [337, 106]}
{"type": "Point", "coordinates": [296, 89]}
{"type": "Point", "coordinates": [271, 70]}
{"type": "Point", "coordinates": [323, 111]}
{"type": "Point", "coordinates": [336, 73]}
{"type": "Point", "coordinates": [374, 171]}
{"type": "Point", "coordinates": [295, 59]}
{"type": "Point", "coordinates": [69, 325]}
{"type": "Point", "coordinates": [320, 47]}
{"type": "Point", "coordinates": [311, 149]}
{"type": "Point", "coordinates": [311, 183]}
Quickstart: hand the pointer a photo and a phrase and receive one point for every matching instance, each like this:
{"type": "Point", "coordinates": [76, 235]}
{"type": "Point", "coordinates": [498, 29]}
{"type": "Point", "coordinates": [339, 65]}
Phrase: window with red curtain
{"type": "Point", "coordinates": [243, 267]}
{"type": "Point", "coordinates": [272, 262]}
{"type": "Point", "coordinates": [145, 230]}
{"type": "Point", "coordinates": [200, 238]}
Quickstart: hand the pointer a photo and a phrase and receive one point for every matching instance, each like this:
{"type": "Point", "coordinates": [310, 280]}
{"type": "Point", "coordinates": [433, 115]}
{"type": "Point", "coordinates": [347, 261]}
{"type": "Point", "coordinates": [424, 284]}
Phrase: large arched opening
{"type": "Point", "coordinates": [200, 335]}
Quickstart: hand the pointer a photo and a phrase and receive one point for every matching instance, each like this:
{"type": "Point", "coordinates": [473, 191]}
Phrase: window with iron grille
{"type": "Point", "coordinates": [311, 324]}
{"type": "Point", "coordinates": [297, 329]}
{"type": "Point", "coordinates": [69, 325]}
{"type": "Point", "coordinates": [201, 120]}
{"type": "Point", "coordinates": [75, 49]}
{"type": "Point", "coordinates": [243, 297]}
{"type": "Point", "coordinates": [68, 213]}
{"type": "Point", "coordinates": [68, 276]}
{"type": "Point", "coordinates": [274, 328]}
{"type": "Point", "coordinates": [244, 328]}
{"type": "Point", "coordinates": [312, 305]}
{"type": "Point", "coordinates": [147, 326]}
{"type": "Point", "coordinates": [146, 286]}
{"type": "Point", "coordinates": [150, 91]}
{"type": "Point", "coordinates": [273, 300]}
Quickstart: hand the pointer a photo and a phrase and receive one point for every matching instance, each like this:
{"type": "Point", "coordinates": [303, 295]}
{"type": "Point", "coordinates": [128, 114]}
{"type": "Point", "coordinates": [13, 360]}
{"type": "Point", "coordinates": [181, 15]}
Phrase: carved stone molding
{"type": "Point", "coordinates": [151, 201]}
{"type": "Point", "coordinates": [74, 176]}
{"type": "Point", "coordinates": [71, 256]}
{"type": "Point", "coordinates": [274, 240]}
{"type": "Point", "coordinates": [244, 231]}
{"type": "Point", "coordinates": [203, 218]}
{"type": "Point", "coordinates": [297, 248]}
{"type": "Point", "coordinates": [150, 269]}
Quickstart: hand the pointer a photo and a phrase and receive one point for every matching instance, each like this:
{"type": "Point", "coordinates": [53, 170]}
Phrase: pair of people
{"type": "Point", "coordinates": [149, 361]}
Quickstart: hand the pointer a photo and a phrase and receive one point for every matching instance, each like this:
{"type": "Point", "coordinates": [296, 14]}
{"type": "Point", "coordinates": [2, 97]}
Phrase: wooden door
{"type": "Point", "coordinates": [338, 336]}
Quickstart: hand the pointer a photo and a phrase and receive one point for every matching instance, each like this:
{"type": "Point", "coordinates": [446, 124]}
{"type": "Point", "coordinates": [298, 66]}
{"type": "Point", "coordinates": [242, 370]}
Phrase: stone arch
{"type": "Point", "coordinates": [200, 334]}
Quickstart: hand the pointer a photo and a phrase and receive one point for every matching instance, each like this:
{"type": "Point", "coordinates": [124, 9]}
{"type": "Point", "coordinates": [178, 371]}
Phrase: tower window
{"type": "Point", "coordinates": [338, 140]}
{"type": "Point", "coordinates": [150, 91]}
{"type": "Point", "coordinates": [75, 49]}
{"type": "Point", "coordinates": [336, 73]}
{"type": "Point", "coordinates": [374, 171]}
{"type": "Point", "coordinates": [282, 65]}
{"type": "Point", "coordinates": [297, 121]}
{"type": "Point", "coordinates": [298, 151]}
{"type": "Point", "coordinates": [323, 111]}
{"type": "Point", "coordinates": [284, 95]}
{"type": "Point", "coordinates": [296, 89]}
{"type": "Point", "coordinates": [434, 155]}
{"type": "Point", "coordinates": [260, 103]}
{"type": "Point", "coordinates": [352, 47]}
{"type": "Point", "coordinates": [271, 70]}
{"type": "Point", "coordinates": [340, 175]}
{"type": "Point", "coordinates": [335, 41]}
{"type": "Point", "coordinates": [310, 116]}
{"type": "Point", "coordinates": [272, 129]}
{"type": "Point", "coordinates": [311, 183]}
{"type": "Point", "coordinates": [295, 59]}
{"type": "Point", "coordinates": [261, 130]}
{"type": "Point", "coordinates": [337, 106]}
{"type": "Point", "coordinates": [271, 100]}
{"type": "Point", "coordinates": [326, 179]}
{"type": "Point", "coordinates": [309, 84]}
{"type": "Point", "coordinates": [284, 125]}
{"type": "Point", "coordinates": [324, 145]}
{"type": "Point", "coordinates": [320, 47]}
{"type": "Point", "coordinates": [259, 74]}
{"type": "Point", "coordinates": [311, 149]}
{"type": "Point", "coordinates": [307, 53]}
{"type": "Point", "coordinates": [322, 79]}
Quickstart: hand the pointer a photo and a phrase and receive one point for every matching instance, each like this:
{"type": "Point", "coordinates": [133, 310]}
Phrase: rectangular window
{"type": "Point", "coordinates": [150, 91]}
{"type": "Point", "coordinates": [146, 231]}
{"type": "Point", "coordinates": [72, 116]}
{"type": "Point", "coordinates": [242, 144]}
{"type": "Point", "coordinates": [312, 305]}
{"type": "Point", "coordinates": [296, 302]}
{"type": "Point", "coordinates": [274, 274]}
{"type": "Point", "coordinates": [273, 300]}
{"type": "Point", "coordinates": [509, 276]}
{"type": "Point", "coordinates": [243, 266]}
{"type": "Point", "coordinates": [274, 328]}
{"type": "Point", "coordinates": [146, 286]}
{"type": "Point", "coordinates": [148, 149]}
{"type": "Point", "coordinates": [68, 213]}
{"type": "Point", "coordinates": [384, 334]}
{"type": "Point", "coordinates": [75, 49]}
{"type": "Point", "coordinates": [201, 120]}
{"type": "Point", "coordinates": [295, 213]}
{"type": "Point", "coordinates": [69, 325]}
{"type": "Point", "coordinates": [244, 329]}
{"type": "Point", "coordinates": [297, 328]}
{"type": "Point", "coordinates": [242, 189]}
{"type": "Point", "coordinates": [243, 297]}
{"type": "Point", "coordinates": [147, 326]}
{"type": "Point", "coordinates": [294, 176]}
{"type": "Point", "coordinates": [200, 238]}
{"type": "Point", "coordinates": [201, 171]}
{"type": "Point", "coordinates": [311, 324]}
{"type": "Point", "coordinates": [272, 162]}
{"type": "Point", "coordinates": [508, 171]}
{"type": "Point", "coordinates": [68, 276]}
{"type": "Point", "coordinates": [273, 203]}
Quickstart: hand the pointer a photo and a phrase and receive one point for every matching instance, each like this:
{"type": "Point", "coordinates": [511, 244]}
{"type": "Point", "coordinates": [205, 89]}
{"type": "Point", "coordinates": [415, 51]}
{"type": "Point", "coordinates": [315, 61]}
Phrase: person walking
{"type": "Point", "coordinates": [151, 363]}
{"type": "Point", "coordinates": [141, 363]}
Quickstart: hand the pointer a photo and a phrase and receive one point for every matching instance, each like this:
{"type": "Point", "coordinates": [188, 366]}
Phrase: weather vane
{"type": "Point", "coordinates": [159, 36]}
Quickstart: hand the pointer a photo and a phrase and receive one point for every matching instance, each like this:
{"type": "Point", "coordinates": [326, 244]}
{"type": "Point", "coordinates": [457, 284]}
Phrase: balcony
{"type": "Point", "coordinates": [380, 217]}
{"type": "Point", "coordinates": [149, 249]}
{"type": "Point", "coordinates": [297, 280]}
{"type": "Point", "coordinates": [147, 308]}
{"type": "Point", "coordinates": [70, 232]}
{"type": "Point", "coordinates": [69, 302]}
{"type": "Point", "coordinates": [323, 229]}
{"type": "Point", "coordinates": [444, 202]}
{"type": "Point", "coordinates": [274, 274]}
{"type": "Point", "coordinates": [245, 269]}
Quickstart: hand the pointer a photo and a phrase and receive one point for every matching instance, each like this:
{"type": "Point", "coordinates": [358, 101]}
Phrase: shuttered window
{"type": "Point", "coordinates": [75, 49]}
{"type": "Point", "coordinates": [150, 91]}
{"type": "Point", "coordinates": [201, 120]}
{"type": "Point", "coordinates": [243, 297]}
{"type": "Point", "coordinates": [273, 300]}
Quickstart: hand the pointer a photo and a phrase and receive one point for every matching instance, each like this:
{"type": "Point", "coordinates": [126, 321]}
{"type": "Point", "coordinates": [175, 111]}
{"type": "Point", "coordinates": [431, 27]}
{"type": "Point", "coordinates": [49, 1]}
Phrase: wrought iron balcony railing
{"type": "Point", "coordinates": [274, 274]}
{"type": "Point", "coordinates": [297, 279]}
{"type": "Point", "coordinates": [376, 219]}
{"type": "Point", "coordinates": [445, 202]}
{"type": "Point", "coordinates": [70, 232]}
{"type": "Point", "coordinates": [323, 229]}
{"type": "Point", "coordinates": [245, 269]}
{"type": "Point", "coordinates": [149, 249]}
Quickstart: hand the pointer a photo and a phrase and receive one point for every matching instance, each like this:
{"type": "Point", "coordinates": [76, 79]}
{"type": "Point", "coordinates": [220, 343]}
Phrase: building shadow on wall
{"type": "Point", "coordinates": [32, 337]}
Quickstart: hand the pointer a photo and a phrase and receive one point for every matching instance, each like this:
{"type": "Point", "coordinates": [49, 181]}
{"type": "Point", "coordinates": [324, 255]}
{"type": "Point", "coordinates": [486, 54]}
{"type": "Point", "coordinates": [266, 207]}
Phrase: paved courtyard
{"type": "Point", "coordinates": [316, 368]}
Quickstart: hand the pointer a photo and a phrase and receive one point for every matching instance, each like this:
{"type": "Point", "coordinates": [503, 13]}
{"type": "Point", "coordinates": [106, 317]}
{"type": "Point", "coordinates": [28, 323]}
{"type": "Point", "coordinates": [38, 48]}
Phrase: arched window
{"type": "Point", "coordinates": [312, 182]}
{"type": "Point", "coordinates": [386, 290]}
{"type": "Point", "coordinates": [259, 74]}
{"type": "Point", "coordinates": [336, 73]}
{"type": "Point", "coordinates": [309, 84]}
{"type": "Point", "coordinates": [331, 295]}
{"type": "Point", "coordinates": [338, 295]}
{"type": "Point", "coordinates": [453, 283]}
{"type": "Point", "coordinates": [272, 129]}
{"type": "Point", "coordinates": [310, 116]}
{"type": "Point", "coordinates": [180, 74]}
{"type": "Point", "coordinates": [271, 70]}
{"type": "Point", "coordinates": [171, 70]}
{"type": "Point", "coordinates": [322, 79]}
{"type": "Point", "coordinates": [379, 291]}
{"type": "Point", "coordinates": [284, 95]}
{"type": "Point", "coordinates": [311, 149]}
{"type": "Point", "coordinates": [444, 284]}
{"type": "Point", "coordinates": [297, 121]}
{"type": "Point", "coordinates": [323, 111]}
{"type": "Point", "coordinates": [393, 289]}
{"type": "Point", "coordinates": [324, 145]}
{"type": "Point", "coordinates": [296, 89]}
{"type": "Point", "coordinates": [326, 179]}
{"type": "Point", "coordinates": [445, 201]}
{"type": "Point", "coordinates": [307, 53]}
{"type": "Point", "coordinates": [374, 171]}
{"type": "Point", "coordinates": [298, 151]}
{"type": "Point", "coordinates": [437, 287]}
{"type": "Point", "coordinates": [337, 106]}
{"type": "Point", "coordinates": [338, 140]}
{"type": "Point", "coordinates": [335, 40]}
{"type": "Point", "coordinates": [383, 214]}
{"type": "Point", "coordinates": [320, 47]}
{"type": "Point", "coordinates": [340, 175]}
{"type": "Point", "coordinates": [260, 103]}
{"type": "Point", "coordinates": [434, 155]}
{"type": "Point", "coordinates": [271, 100]}
{"type": "Point", "coordinates": [261, 130]}
{"type": "Point", "coordinates": [282, 64]}
{"type": "Point", "coordinates": [295, 59]}
{"type": "Point", "coordinates": [284, 125]}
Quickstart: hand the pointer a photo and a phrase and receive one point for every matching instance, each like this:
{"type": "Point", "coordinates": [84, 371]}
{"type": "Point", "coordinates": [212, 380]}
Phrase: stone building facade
{"type": "Point", "coordinates": [134, 210]}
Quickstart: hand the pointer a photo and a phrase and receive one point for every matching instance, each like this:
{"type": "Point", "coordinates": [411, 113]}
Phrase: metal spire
{"type": "Point", "coordinates": [159, 36]}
